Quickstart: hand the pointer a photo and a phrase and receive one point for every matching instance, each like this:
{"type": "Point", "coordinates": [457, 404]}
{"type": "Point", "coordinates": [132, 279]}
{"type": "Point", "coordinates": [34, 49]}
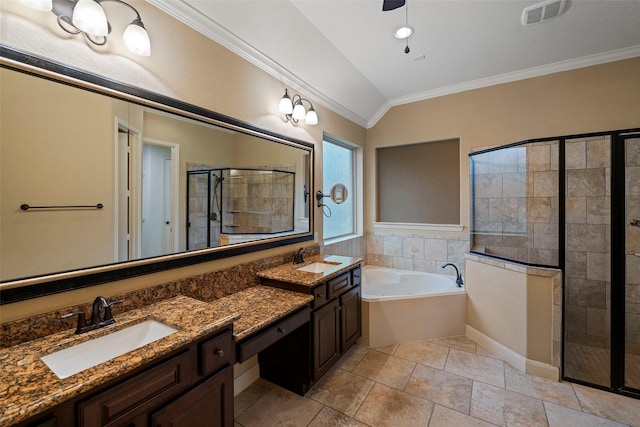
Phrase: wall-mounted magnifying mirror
{"type": "Point", "coordinates": [338, 194]}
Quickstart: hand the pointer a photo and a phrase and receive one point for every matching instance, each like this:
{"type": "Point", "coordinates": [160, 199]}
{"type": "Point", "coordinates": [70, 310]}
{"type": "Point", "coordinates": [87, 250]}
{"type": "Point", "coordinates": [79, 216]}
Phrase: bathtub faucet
{"type": "Point", "coordinates": [459, 280]}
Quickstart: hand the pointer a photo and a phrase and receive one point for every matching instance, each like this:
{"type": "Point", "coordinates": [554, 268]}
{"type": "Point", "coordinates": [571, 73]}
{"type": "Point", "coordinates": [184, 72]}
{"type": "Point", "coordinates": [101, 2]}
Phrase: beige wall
{"type": "Point", "coordinates": [57, 149]}
{"type": "Point", "coordinates": [512, 308]}
{"type": "Point", "coordinates": [598, 98]}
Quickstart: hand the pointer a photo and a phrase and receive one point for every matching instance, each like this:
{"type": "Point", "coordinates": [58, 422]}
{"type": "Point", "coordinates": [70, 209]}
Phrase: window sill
{"type": "Point", "coordinates": [340, 239]}
{"type": "Point", "coordinates": [391, 226]}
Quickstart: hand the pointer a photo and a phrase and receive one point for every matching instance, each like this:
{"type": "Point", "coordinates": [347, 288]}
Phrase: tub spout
{"type": "Point", "coordinates": [459, 280]}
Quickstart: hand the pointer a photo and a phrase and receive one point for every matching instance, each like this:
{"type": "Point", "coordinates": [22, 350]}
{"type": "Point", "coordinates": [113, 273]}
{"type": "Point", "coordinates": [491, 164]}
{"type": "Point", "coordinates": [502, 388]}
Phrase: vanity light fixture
{"type": "Point", "coordinates": [89, 18]}
{"type": "Point", "coordinates": [293, 109]}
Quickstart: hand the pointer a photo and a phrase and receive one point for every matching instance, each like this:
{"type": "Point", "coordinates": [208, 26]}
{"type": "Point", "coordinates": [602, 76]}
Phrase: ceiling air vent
{"type": "Point", "coordinates": [543, 11]}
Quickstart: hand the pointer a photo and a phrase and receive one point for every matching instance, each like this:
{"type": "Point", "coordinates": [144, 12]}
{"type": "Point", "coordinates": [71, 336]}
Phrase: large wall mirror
{"type": "Point", "coordinates": [101, 182]}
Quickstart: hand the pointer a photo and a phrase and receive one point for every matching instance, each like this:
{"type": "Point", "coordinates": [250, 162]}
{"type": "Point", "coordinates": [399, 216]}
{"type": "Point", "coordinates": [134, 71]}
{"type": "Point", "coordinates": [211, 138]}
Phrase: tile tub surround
{"type": "Point", "coordinates": [29, 387]}
{"type": "Point", "coordinates": [204, 287]}
{"type": "Point", "coordinates": [417, 252]}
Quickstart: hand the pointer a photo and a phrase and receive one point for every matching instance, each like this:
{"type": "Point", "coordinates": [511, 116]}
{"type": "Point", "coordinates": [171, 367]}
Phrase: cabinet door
{"type": "Point", "coordinates": [209, 404]}
{"type": "Point", "coordinates": [350, 329]}
{"type": "Point", "coordinates": [326, 338]}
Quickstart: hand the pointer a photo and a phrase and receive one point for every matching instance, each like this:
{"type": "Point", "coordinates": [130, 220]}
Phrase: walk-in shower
{"type": "Point", "coordinates": [571, 203]}
{"type": "Point", "coordinates": [230, 205]}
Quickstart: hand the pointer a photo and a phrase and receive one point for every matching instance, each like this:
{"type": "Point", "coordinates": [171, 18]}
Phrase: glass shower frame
{"type": "Point", "coordinates": [243, 194]}
{"type": "Point", "coordinates": [620, 289]}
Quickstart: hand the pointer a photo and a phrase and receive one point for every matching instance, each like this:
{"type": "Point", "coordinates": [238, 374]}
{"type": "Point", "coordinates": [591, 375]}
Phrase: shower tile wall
{"type": "Point", "coordinates": [516, 203]}
{"type": "Point", "coordinates": [587, 304]}
{"type": "Point", "coordinates": [258, 202]}
{"type": "Point", "coordinates": [632, 289]}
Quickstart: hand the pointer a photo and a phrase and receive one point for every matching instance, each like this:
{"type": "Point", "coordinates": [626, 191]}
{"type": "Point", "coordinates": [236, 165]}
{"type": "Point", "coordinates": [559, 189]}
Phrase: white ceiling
{"type": "Point", "coordinates": [342, 53]}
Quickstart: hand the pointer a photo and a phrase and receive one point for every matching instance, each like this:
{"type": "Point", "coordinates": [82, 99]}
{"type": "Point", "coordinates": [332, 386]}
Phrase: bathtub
{"type": "Point", "coordinates": [400, 306]}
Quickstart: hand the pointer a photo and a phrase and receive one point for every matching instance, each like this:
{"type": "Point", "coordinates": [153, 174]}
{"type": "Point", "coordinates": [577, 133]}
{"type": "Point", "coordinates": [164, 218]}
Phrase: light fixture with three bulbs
{"type": "Point", "coordinates": [293, 109]}
{"type": "Point", "coordinates": [89, 18]}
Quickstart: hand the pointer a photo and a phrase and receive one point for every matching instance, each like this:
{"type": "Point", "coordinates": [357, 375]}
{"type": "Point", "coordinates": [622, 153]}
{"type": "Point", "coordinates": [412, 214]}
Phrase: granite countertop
{"type": "Point", "coordinates": [260, 306]}
{"type": "Point", "coordinates": [290, 273]}
{"type": "Point", "coordinates": [28, 387]}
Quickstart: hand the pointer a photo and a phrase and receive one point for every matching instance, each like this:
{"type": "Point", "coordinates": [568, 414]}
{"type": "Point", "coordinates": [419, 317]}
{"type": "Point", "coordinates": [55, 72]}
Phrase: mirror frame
{"type": "Point", "coordinates": [37, 286]}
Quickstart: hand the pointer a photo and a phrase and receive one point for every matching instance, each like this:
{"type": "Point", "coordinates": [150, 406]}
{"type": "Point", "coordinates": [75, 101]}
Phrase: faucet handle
{"type": "Point", "coordinates": [108, 315]}
{"type": "Point", "coordinates": [82, 320]}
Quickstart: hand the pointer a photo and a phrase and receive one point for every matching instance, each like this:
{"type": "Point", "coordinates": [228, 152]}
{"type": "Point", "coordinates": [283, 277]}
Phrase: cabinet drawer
{"type": "Point", "coordinates": [216, 353]}
{"type": "Point", "coordinates": [338, 284]}
{"type": "Point", "coordinates": [319, 296]}
{"type": "Point", "coordinates": [264, 339]}
{"type": "Point", "coordinates": [208, 404]}
{"type": "Point", "coordinates": [137, 394]}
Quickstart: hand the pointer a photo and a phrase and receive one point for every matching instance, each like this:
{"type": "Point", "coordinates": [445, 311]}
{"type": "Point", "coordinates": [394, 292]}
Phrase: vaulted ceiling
{"type": "Point", "coordinates": [342, 53]}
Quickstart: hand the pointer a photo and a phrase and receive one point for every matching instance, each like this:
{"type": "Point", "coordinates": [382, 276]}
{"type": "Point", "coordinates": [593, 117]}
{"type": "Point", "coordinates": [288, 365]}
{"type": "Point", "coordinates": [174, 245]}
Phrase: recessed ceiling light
{"type": "Point", "coordinates": [403, 33]}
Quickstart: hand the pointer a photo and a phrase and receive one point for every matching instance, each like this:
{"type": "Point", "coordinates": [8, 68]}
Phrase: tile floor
{"type": "Point", "coordinates": [443, 382]}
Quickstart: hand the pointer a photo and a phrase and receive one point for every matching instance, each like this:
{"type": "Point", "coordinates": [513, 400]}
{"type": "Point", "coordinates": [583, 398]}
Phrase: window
{"type": "Point", "coordinates": [338, 167]}
{"type": "Point", "coordinates": [419, 183]}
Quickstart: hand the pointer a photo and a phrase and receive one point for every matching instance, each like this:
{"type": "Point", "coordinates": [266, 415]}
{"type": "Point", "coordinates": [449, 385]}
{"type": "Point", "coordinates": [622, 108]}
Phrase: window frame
{"type": "Point", "coordinates": [355, 192]}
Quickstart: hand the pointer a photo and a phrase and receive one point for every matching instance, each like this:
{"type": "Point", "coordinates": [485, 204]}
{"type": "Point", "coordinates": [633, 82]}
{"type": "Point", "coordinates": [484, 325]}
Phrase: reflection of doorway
{"type": "Point", "coordinates": [126, 244]}
{"type": "Point", "coordinates": [159, 195]}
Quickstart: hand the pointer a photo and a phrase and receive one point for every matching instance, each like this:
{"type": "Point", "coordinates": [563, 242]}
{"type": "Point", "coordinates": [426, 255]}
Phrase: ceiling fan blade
{"type": "Point", "coordinates": [391, 4]}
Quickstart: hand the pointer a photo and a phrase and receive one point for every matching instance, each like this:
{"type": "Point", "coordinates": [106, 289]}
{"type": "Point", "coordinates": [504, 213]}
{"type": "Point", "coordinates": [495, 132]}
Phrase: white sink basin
{"type": "Point", "coordinates": [85, 355]}
{"type": "Point", "coordinates": [317, 267]}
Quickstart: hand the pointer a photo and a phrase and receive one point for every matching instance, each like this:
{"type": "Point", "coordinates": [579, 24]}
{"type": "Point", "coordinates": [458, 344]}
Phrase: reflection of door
{"type": "Point", "coordinates": [156, 200]}
{"type": "Point", "coordinates": [124, 196]}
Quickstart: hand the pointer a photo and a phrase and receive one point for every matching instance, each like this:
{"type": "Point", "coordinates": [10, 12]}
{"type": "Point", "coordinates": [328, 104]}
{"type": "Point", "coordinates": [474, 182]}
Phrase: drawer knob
{"type": "Point", "coordinates": [282, 330]}
{"type": "Point", "coordinates": [219, 352]}
{"type": "Point", "coordinates": [319, 296]}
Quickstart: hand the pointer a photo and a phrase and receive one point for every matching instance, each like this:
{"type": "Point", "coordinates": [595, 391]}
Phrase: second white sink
{"type": "Point", "coordinates": [85, 355]}
{"type": "Point", "coordinates": [317, 267]}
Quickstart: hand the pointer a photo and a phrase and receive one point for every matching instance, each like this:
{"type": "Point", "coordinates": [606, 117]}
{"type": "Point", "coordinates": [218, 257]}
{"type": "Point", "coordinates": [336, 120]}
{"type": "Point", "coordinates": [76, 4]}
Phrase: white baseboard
{"type": "Point", "coordinates": [246, 379]}
{"type": "Point", "coordinates": [531, 367]}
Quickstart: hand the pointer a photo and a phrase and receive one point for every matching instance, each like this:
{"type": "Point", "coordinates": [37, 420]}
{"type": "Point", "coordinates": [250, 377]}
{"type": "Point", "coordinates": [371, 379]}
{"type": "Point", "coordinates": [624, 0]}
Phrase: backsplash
{"type": "Point", "coordinates": [205, 287]}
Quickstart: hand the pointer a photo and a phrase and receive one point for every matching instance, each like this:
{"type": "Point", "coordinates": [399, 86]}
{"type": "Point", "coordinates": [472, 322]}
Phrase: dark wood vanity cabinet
{"type": "Point", "coordinates": [193, 386]}
{"type": "Point", "coordinates": [335, 325]}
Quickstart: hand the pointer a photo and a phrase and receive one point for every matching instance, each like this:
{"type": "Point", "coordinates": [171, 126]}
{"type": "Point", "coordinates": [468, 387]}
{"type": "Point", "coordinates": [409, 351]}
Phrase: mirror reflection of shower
{"type": "Point", "coordinates": [233, 205]}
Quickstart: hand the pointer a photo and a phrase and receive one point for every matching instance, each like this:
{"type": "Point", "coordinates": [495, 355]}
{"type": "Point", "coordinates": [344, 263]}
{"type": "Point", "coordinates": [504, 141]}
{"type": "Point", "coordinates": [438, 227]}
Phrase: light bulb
{"type": "Point", "coordinates": [89, 17]}
{"type": "Point", "coordinates": [311, 118]}
{"type": "Point", "coordinates": [136, 39]}
{"type": "Point", "coordinates": [403, 33]}
{"type": "Point", "coordinates": [285, 107]}
{"type": "Point", "coordinates": [298, 111]}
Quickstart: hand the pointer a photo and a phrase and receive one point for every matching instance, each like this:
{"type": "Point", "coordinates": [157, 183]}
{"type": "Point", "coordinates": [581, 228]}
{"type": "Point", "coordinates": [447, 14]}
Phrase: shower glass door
{"type": "Point", "coordinates": [632, 255]}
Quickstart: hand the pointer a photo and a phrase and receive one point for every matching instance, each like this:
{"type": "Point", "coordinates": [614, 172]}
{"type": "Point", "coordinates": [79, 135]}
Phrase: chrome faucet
{"type": "Point", "coordinates": [459, 280]}
{"type": "Point", "coordinates": [101, 315]}
{"type": "Point", "coordinates": [297, 258]}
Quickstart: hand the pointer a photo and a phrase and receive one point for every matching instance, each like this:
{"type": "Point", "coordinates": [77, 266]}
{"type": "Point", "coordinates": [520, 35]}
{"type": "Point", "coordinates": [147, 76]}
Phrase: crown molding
{"type": "Point", "coordinates": [211, 29]}
{"type": "Point", "coordinates": [571, 64]}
